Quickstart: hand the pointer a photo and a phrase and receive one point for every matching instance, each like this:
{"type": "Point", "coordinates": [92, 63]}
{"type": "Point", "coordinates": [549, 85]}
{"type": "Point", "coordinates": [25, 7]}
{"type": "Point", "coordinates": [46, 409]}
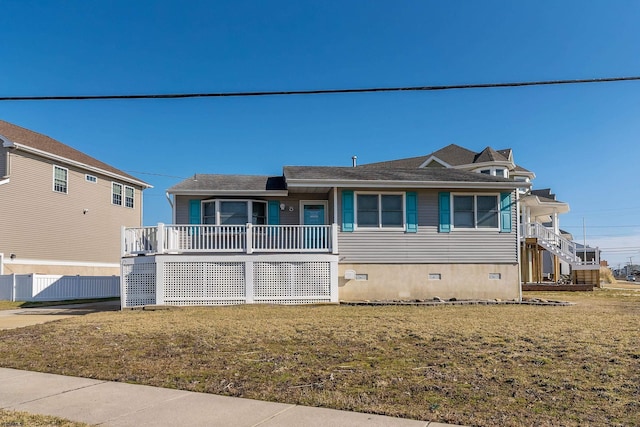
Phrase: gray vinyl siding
{"type": "Point", "coordinates": [428, 245]}
{"type": "Point", "coordinates": [287, 217]}
{"type": "Point", "coordinates": [41, 224]}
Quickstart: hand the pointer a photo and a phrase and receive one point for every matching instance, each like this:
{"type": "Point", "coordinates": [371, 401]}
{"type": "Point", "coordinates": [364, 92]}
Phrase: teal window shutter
{"type": "Point", "coordinates": [412, 212]}
{"type": "Point", "coordinates": [444, 199]}
{"type": "Point", "coordinates": [348, 217]}
{"type": "Point", "coordinates": [194, 215]}
{"type": "Point", "coordinates": [194, 211]}
{"type": "Point", "coordinates": [505, 212]}
{"type": "Point", "coordinates": [274, 212]}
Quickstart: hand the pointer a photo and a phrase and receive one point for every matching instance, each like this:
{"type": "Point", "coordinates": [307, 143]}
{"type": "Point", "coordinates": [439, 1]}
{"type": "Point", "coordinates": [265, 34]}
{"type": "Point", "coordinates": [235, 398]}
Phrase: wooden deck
{"type": "Point", "coordinates": [553, 287]}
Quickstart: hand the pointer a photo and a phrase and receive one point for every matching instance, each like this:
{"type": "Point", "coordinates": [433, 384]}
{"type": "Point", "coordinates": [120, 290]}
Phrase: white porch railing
{"type": "Point", "coordinates": [248, 238]}
{"type": "Point", "coordinates": [557, 244]}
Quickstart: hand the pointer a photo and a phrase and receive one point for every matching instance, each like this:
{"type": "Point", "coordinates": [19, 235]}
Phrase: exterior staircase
{"type": "Point", "coordinates": [556, 244]}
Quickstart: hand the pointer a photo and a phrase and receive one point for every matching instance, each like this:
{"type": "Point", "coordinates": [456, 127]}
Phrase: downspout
{"type": "Point", "coordinates": [173, 212]}
{"type": "Point", "coordinates": [141, 207]}
{"type": "Point", "coordinates": [5, 143]}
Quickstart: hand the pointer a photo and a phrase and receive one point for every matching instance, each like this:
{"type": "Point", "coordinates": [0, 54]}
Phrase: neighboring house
{"type": "Point", "coordinates": [62, 211]}
{"type": "Point", "coordinates": [548, 252]}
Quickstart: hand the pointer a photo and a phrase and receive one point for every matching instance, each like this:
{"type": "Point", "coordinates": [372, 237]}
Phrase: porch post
{"type": "Point", "coordinates": [160, 238]}
{"type": "Point", "coordinates": [333, 267]}
{"type": "Point", "coordinates": [249, 236]}
{"type": "Point", "coordinates": [556, 225]}
{"type": "Point", "coordinates": [248, 282]}
{"type": "Point", "coordinates": [13, 287]}
{"type": "Point", "coordinates": [123, 241]}
{"type": "Point", "coordinates": [159, 280]}
{"type": "Point", "coordinates": [334, 238]}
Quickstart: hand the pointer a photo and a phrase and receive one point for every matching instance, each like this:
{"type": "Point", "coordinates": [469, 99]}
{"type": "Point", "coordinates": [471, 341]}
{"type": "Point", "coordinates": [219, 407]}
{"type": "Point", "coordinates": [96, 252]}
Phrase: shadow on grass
{"type": "Point", "coordinates": [13, 305]}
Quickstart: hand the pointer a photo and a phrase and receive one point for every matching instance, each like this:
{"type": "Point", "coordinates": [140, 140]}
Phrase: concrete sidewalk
{"type": "Point", "coordinates": [119, 404]}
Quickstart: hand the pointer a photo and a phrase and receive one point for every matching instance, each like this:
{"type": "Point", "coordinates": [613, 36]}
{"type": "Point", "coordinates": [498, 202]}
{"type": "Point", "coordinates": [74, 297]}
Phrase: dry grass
{"type": "Point", "coordinates": [606, 276]}
{"type": "Point", "coordinates": [18, 419]}
{"type": "Point", "coordinates": [474, 365]}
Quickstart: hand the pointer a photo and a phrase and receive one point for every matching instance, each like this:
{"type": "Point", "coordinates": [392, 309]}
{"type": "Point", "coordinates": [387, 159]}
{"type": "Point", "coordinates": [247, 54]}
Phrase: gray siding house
{"type": "Point", "coordinates": [62, 211]}
{"type": "Point", "coordinates": [400, 230]}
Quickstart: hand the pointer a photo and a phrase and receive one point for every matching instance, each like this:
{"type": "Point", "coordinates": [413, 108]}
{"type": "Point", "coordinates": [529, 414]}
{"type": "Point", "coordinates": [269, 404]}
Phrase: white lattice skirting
{"type": "Point", "coordinates": [229, 279]}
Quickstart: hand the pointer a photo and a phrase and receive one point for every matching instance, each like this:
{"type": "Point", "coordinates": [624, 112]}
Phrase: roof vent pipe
{"type": "Point", "coordinates": [353, 160]}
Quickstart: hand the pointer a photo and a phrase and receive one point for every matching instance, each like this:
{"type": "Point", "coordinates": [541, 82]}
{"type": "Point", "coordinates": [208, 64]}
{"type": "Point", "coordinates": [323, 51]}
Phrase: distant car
{"type": "Point", "coordinates": [631, 278]}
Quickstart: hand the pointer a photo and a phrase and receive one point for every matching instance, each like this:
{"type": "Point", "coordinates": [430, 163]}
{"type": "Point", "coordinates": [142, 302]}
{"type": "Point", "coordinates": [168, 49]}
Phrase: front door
{"type": "Point", "coordinates": [314, 213]}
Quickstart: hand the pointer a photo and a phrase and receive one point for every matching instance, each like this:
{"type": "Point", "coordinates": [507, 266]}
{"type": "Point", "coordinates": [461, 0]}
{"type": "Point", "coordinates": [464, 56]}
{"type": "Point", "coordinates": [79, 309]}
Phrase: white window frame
{"type": "Point", "coordinates": [133, 197]}
{"type": "Point", "coordinates": [66, 180]}
{"type": "Point", "coordinates": [379, 194]}
{"type": "Point", "coordinates": [493, 171]}
{"type": "Point", "coordinates": [113, 184]}
{"type": "Point", "coordinates": [249, 203]}
{"type": "Point", "coordinates": [475, 211]}
{"type": "Point", "coordinates": [91, 178]}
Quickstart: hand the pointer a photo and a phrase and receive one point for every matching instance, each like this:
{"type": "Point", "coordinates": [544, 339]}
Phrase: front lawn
{"type": "Point", "coordinates": [500, 365]}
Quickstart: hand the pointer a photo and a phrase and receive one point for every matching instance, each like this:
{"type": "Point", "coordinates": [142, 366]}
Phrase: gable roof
{"type": "Point", "coordinates": [232, 184]}
{"type": "Point", "coordinates": [29, 140]}
{"type": "Point", "coordinates": [452, 156]}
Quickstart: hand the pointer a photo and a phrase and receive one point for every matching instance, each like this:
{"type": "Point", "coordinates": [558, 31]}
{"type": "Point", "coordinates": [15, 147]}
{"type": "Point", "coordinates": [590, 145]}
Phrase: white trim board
{"type": "Point", "coordinates": [26, 261]}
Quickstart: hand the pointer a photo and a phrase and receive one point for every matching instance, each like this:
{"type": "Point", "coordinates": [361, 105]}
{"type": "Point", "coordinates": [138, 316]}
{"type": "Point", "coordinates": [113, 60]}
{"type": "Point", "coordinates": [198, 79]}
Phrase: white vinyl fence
{"type": "Point", "coordinates": [46, 287]}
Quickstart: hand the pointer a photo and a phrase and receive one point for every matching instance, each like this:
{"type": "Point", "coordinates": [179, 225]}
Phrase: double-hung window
{"type": "Point", "coordinates": [116, 193]}
{"type": "Point", "coordinates": [128, 196]}
{"type": "Point", "coordinates": [475, 211]}
{"type": "Point", "coordinates": [60, 179]}
{"type": "Point", "coordinates": [234, 212]}
{"type": "Point", "coordinates": [379, 210]}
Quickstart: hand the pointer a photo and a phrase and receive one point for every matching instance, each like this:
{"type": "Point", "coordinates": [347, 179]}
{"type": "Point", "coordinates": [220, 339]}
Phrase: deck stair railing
{"type": "Point", "coordinates": [564, 248]}
{"type": "Point", "coordinates": [247, 238]}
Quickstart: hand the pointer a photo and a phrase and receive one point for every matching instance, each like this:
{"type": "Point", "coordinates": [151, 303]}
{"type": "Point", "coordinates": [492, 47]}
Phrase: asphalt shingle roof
{"type": "Point", "coordinates": [360, 173]}
{"type": "Point", "coordinates": [49, 145]}
{"type": "Point", "coordinates": [453, 155]}
{"type": "Point", "coordinates": [208, 182]}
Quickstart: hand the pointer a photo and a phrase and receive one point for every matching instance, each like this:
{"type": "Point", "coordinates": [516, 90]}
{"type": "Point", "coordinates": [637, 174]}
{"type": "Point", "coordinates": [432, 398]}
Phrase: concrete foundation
{"type": "Point", "coordinates": [357, 282]}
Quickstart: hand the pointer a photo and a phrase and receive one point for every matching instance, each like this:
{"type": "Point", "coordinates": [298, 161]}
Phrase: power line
{"type": "Point", "coordinates": [154, 174]}
{"type": "Point", "coordinates": [601, 226]}
{"type": "Point", "coordinates": [316, 92]}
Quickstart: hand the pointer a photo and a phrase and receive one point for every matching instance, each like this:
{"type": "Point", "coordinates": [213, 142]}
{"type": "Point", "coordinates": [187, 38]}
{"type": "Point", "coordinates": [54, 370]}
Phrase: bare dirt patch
{"type": "Point", "coordinates": [498, 365]}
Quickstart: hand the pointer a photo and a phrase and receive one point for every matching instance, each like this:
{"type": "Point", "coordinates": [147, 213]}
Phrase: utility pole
{"type": "Point", "coordinates": [584, 241]}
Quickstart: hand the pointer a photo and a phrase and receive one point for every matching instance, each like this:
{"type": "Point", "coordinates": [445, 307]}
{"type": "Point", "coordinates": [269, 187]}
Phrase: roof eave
{"type": "Point", "coordinates": [547, 207]}
{"type": "Point", "coordinates": [213, 191]}
{"type": "Point", "coordinates": [18, 146]}
{"type": "Point", "coordinates": [493, 163]}
{"type": "Point", "coordinates": [528, 174]}
{"type": "Point", "coordinates": [292, 183]}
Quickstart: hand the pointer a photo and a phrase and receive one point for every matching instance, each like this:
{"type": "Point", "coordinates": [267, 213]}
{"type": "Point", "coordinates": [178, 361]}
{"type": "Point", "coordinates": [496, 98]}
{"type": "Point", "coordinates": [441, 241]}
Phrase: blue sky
{"type": "Point", "coordinates": [580, 140]}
